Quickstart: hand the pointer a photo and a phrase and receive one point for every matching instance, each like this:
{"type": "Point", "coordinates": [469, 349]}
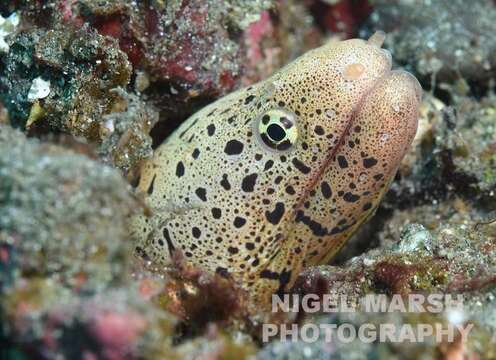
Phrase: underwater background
{"type": "Point", "coordinates": [88, 90]}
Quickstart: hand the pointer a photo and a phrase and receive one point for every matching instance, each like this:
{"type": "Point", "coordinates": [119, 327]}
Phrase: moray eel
{"type": "Point", "coordinates": [275, 177]}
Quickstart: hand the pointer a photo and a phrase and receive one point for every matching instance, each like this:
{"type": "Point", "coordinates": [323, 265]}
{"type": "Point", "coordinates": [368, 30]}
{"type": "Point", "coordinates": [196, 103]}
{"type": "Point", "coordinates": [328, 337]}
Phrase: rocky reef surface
{"type": "Point", "coordinates": [89, 88]}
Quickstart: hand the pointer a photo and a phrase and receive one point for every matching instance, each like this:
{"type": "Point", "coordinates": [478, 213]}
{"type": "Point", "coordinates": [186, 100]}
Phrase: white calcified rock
{"type": "Point", "coordinates": [40, 89]}
{"type": "Point", "coordinates": [7, 27]}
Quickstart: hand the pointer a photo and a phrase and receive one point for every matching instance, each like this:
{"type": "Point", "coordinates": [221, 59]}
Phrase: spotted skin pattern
{"type": "Point", "coordinates": [234, 204]}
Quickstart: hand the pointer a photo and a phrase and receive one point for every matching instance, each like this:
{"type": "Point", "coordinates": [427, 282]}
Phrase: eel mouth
{"type": "Point", "coordinates": [333, 151]}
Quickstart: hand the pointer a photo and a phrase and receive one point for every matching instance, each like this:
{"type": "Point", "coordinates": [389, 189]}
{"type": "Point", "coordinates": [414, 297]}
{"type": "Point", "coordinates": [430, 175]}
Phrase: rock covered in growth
{"type": "Point", "coordinates": [191, 51]}
{"type": "Point", "coordinates": [453, 155]}
{"type": "Point", "coordinates": [281, 34]}
{"type": "Point", "coordinates": [61, 214]}
{"type": "Point", "coordinates": [48, 321]}
{"type": "Point", "coordinates": [449, 255]}
{"type": "Point", "coordinates": [446, 38]}
{"type": "Point", "coordinates": [125, 131]}
{"type": "Point", "coordinates": [64, 79]}
{"type": "Point", "coordinates": [81, 67]}
{"type": "Point", "coordinates": [64, 265]}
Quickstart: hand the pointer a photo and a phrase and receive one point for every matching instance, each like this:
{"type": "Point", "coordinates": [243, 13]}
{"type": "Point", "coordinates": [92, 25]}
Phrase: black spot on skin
{"type": "Point", "coordinates": [319, 130]}
{"type": "Point", "coordinates": [357, 129]}
{"type": "Point", "coordinates": [216, 213]}
{"type": "Point", "coordinates": [303, 100]}
{"type": "Point", "coordinates": [248, 183]}
{"type": "Point", "coordinates": [336, 230]}
{"type": "Point", "coordinates": [367, 206]}
{"type": "Point", "coordinates": [351, 144]}
{"type": "Point", "coordinates": [340, 193]}
{"type": "Point", "coordinates": [267, 274]}
{"type": "Point", "coordinates": [268, 165]}
{"type": "Point", "coordinates": [222, 272]}
{"type": "Point", "coordinates": [301, 166]}
{"type": "Point", "coordinates": [326, 189]}
{"type": "Point", "coordinates": [196, 232]}
{"type": "Point", "coordinates": [231, 119]}
{"type": "Point", "coordinates": [225, 183]}
{"type": "Point", "coordinates": [255, 262]}
{"type": "Point", "coordinates": [350, 197]}
{"type": "Point", "coordinates": [239, 222]}
{"type": "Point", "coordinates": [211, 130]}
{"type": "Point", "coordinates": [232, 250]}
{"type": "Point", "coordinates": [196, 153]}
{"type": "Point", "coordinates": [378, 177]}
{"type": "Point", "coordinates": [316, 228]}
{"type": "Point", "coordinates": [201, 193]}
{"type": "Point", "coordinates": [278, 180]}
{"type": "Point", "coordinates": [281, 103]}
{"type": "Point", "coordinates": [189, 127]}
{"type": "Point", "coordinates": [233, 147]}
{"type": "Point", "coordinates": [249, 99]}
{"type": "Point", "coordinates": [285, 145]}
{"type": "Point", "coordinates": [284, 277]}
{"type": "Point", "coordinates": [150, 188]}
{"type": "Point", "coordinates": [250, 246]}
{"type": "Point", "coordinates": [167, 238]}
{"type": "Point", "coordinates": [369, 162]}
{"type": "Point", "coordinates": [290, 190]}
{"type": "Point", "coordinates": [275, 216]}
{"type": "Point", "coordinates": [265, 119]}
{"type": "Point", "coordinates": [180, 169]}
{"type": "Point", "coordinates": [343, 164]}
{"type": "Point", "coordinates": [286, 122]}
{"type": "Point", "coordinates": [258, 157]}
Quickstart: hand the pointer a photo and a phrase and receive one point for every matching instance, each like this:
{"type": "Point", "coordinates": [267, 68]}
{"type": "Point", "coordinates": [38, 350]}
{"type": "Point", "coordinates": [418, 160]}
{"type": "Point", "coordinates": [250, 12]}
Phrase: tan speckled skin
{"type": "Point", "coordinates": [233, 205]}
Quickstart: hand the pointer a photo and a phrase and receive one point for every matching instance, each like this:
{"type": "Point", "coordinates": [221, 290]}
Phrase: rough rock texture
{"type": "Point", "coordinates": [80, 70]}
{"type": "Point", "coordinates": [65, 257]}
{"type": "Point", "coordinates": [454, 257]}
{"type": "Point", "coordinates": [170, 58]}
{"type": "Point", "coordinates": [61, 213]}
{"type": "Point", "coordinates": [450, 39]}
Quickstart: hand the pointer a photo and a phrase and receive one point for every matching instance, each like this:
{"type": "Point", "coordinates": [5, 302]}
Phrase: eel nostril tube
{"type": "Point", "coordinates": [377, 39]}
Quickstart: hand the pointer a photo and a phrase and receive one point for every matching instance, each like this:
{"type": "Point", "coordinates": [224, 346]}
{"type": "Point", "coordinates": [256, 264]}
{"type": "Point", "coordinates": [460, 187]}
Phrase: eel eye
{"type": "Point", "coordinates": [277, 129]}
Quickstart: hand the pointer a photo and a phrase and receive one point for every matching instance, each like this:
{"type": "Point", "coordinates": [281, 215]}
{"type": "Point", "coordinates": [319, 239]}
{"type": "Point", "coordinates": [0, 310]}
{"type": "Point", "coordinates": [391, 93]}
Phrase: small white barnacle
{"type": "Point", "coordinates": [40, 89]}
{"type": "Point", "coordinates": [277, 129]}
{"type": "Point", "coordinates": [7, 27]}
